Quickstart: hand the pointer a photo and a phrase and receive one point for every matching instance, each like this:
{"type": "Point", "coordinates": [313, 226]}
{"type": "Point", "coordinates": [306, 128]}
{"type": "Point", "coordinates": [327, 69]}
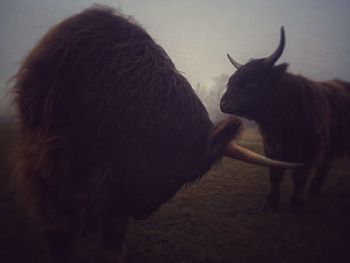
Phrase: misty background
{"type": "Point", "coordinates": [197, 34]}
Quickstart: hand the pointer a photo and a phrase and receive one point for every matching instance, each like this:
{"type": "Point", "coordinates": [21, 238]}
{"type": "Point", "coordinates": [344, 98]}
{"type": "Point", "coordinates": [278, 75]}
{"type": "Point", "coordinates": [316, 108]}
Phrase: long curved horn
{"type": "Point", "coordinates": [245, 155]}
{"type": "Point", "coordinates": [269, 61]}
{"type": "Point", "coordinates": [233, 62]}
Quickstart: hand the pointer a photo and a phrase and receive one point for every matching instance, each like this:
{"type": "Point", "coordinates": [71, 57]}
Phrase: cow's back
{"type": "Point", "coordinates": [338, 96]}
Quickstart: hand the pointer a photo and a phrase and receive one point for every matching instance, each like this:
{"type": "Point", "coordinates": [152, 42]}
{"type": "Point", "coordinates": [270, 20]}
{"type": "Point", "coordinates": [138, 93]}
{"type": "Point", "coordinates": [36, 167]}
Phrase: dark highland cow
{"type": "Point", "coordinates": [109, 129]}
{"type": "Point", "coordinates": [300, 120]}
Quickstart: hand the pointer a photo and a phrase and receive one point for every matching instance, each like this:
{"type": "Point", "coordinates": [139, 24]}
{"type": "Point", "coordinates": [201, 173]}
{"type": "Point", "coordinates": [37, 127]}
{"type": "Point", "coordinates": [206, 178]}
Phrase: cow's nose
{"type": "Point", "coordinates": [224, 106]}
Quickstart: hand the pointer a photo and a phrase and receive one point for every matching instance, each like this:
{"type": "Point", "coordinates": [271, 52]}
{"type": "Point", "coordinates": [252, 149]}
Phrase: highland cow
{"type": "Point", "coordinates": [109, 130]}
{"type": "Point", "coordinates": [300, 120]}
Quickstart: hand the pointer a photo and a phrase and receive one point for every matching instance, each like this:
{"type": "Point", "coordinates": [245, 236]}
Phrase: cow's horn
{"type": "Point", "coordinates": [233, 62]}
{"type": "Point", "coordinates": [245, 155]}
{"type": "Point", "coordinates": [271, 60]}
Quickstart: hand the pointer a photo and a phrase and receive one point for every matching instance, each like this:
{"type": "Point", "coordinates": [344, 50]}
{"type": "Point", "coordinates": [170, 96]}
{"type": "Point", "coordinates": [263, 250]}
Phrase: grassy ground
{"type": "Point", "coordinates": [218, 219]}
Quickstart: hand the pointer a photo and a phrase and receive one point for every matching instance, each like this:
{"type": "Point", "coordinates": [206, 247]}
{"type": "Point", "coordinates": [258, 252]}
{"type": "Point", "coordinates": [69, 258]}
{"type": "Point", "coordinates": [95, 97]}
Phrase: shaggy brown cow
{"type": "Point", "coordinates": [109, 130]}
{"type": "Point", "coordinates": [300, 120]}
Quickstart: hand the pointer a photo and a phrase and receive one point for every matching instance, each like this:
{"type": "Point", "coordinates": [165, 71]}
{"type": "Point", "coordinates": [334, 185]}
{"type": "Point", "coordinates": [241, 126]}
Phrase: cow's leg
{"type": "Point", "coordinates": [319, 177]}
{"type": "Point", "coordinates": [273, 198]}
{"type": "Point", "coordinates": [299, 177]}
{"type": "Point", "coordinates": [102, 242]}
{"type": "Point", "coordinates": [60, 245]}
{"type": "Point", "coordinates": [113, 237]}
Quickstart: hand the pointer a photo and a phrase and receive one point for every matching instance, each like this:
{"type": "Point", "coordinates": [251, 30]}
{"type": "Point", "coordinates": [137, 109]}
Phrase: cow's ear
{"type": "Point", "coordinates": [279, 70]}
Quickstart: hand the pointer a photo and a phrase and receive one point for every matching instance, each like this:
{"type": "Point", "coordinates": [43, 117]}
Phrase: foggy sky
{"type": "Point", "coordinates": [197, 34]}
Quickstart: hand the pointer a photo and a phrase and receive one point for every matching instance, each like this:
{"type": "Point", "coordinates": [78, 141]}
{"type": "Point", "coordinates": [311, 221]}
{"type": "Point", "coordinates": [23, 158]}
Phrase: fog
{"type": "Point", "coordinates": [198, 34]}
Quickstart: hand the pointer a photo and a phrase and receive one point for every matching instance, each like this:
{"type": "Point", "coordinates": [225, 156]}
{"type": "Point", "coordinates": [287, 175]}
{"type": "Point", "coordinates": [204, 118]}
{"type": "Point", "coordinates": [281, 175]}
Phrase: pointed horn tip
{"type": "Point", "coordinates": [271, 60]}
{"type": "Point", "coordinates": [240, 153]}
{"type": "Point", "coordinates": [283, 34]}
{"type": "Point", "coordinates": [233, 62]}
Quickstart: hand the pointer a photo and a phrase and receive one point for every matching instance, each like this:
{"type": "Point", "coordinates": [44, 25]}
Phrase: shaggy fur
{"type": "Point", "coordinates": [109, 129]}
{"type": "Point", "coordinates": [300, 121]}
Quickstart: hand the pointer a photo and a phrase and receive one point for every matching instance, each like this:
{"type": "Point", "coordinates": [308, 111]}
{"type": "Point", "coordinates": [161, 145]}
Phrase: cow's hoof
{"type": "Point", "coordinates": [314, 190]}
{"type": "Point", "coordinates": [271, 205]}
{"type": "Point", "coordinates": [297, 205]}
{"type": "Point", "coordinates": [268, 208]}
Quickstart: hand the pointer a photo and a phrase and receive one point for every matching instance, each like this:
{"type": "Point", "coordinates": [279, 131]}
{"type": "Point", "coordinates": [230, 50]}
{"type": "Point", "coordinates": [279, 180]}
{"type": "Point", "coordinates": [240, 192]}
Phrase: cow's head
{"type": "Point", "coordinates": [249, 89]}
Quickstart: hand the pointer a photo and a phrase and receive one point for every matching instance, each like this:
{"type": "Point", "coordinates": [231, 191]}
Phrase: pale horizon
{"type": "Point", "coordinates": [197, 35]}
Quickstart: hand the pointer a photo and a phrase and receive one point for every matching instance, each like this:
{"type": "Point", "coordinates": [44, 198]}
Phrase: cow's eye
{"type": "Point", "coordinates": [250, 84]}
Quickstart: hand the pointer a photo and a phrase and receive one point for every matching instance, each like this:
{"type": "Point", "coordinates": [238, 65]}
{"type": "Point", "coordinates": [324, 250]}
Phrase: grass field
{"type": "Point", "coordinates": [217, 219]}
